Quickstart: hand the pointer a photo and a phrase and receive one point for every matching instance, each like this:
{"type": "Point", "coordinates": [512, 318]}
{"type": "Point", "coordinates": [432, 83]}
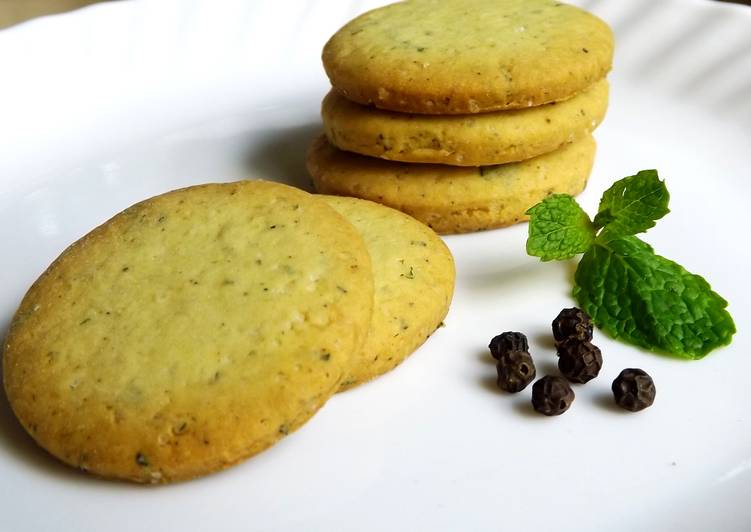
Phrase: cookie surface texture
{"type": "Point", "coordinates": [413, 277]}
{"type": "Point", "coordinates": [190, 331]}
{"type": "Point", "coordinates": [463, 140]}
{"type": "Point", "coordinates": [453, 199]}
{"type": "Point", "coordinates": [468, 56]}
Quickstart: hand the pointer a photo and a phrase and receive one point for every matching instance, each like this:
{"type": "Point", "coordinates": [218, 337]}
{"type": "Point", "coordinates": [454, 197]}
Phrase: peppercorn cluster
{"type": "Point", "coordinates": [579, 361]}
{"type": "Point", "coordinates": [515, 366]}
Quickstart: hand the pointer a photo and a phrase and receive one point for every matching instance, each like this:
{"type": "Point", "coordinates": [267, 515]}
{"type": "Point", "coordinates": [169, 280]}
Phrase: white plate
{"type": "Point", "coordinates": [114, 103]}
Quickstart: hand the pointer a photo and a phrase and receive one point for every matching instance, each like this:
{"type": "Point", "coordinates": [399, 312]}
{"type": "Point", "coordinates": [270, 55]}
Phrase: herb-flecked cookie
{"type": "Point", "coordinates": [468, 56]}
{"type": "Point", "coordinates": [413, 278]}
{"type": "Point", "coordinates": [453, 199]}
{"type": "Point", "coordinates": [190, 331]}
{"type": "Point", "coordinates": [462, 140]}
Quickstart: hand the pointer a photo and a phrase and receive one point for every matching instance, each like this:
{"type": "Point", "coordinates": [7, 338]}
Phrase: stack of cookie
{"type": "Point", "coordinates": [463, 114]}
{"type": "Point", "coordinates": [199, 327]}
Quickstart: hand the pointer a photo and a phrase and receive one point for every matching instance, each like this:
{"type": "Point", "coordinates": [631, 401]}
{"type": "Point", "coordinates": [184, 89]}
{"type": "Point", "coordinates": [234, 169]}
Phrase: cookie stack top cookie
{"type": "Point", "coordinates": [437, 57]}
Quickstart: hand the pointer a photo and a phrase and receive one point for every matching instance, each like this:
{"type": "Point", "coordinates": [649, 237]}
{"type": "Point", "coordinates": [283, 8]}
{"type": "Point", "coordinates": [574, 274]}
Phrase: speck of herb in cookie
{"type": "Point", "coordinates": [142, 460]}
{"type": "Point", "coordinates": [410, 275]}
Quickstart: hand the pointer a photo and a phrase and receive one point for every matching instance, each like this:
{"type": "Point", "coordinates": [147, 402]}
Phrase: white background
{"type": "Point", "coordinates": [111, 104]}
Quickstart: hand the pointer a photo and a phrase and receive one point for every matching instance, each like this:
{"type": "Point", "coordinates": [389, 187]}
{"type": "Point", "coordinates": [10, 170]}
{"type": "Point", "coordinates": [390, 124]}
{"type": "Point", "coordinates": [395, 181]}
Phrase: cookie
{"type": "Point", "coordinates": [453, 199]}
{"type": "Point", "coordinates": [413, 278]}
{"type": "Point", "coordinates": [468, 56]}
{"type": "Point", "coordinates": [190, 331]}
{"type": "Point", "coordinates": [462, 140]}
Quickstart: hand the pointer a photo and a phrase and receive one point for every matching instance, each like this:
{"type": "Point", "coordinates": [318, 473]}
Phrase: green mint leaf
{"type": "Point", "coordinates": [632, 205]}
{"type": "Point", "coordinates": [650, 301]}
{"type": "Point", "coordinates": [559, 229]}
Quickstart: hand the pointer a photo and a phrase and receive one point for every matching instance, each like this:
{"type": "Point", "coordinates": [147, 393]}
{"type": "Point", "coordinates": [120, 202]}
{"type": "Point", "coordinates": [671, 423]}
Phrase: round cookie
{"type": "Point", "coordinates": [413, 278]}
{"type": "Point", "coordinates": [190, 331]}
{"type": "Point", "coordinates": [468, 56]}
{"type": "Point", "coordinates": [462, 140]}
{"type": "Point", "coordinates": [453, 199]}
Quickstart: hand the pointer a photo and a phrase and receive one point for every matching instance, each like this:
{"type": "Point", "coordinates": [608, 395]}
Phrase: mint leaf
{"type": "Point", "coordinates": [650, 301]}
{"type": "Point", "coordinates": [558, 229]}
{"type": "Point", "coordinates": [632, 205]}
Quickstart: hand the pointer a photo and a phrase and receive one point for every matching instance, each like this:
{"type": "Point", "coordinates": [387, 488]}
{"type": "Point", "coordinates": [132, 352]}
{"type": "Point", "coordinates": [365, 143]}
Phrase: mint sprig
{"type": "Point", "coordinates": [630, 292]}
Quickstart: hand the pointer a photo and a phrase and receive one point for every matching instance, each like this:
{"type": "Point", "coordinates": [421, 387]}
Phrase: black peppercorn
{"type": "Point", "coordinates": [572, 323]}
{"type": "Point", "coordinates": [579, 361]}
{"type": "Point", "coordinates": [634, 390]}
{"type": "Point", "coordinates": [552, 395]}
{"type": "Point", "coordinates": [506, 342]}
{"type": "Point", "coordinates": [515, 371]}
